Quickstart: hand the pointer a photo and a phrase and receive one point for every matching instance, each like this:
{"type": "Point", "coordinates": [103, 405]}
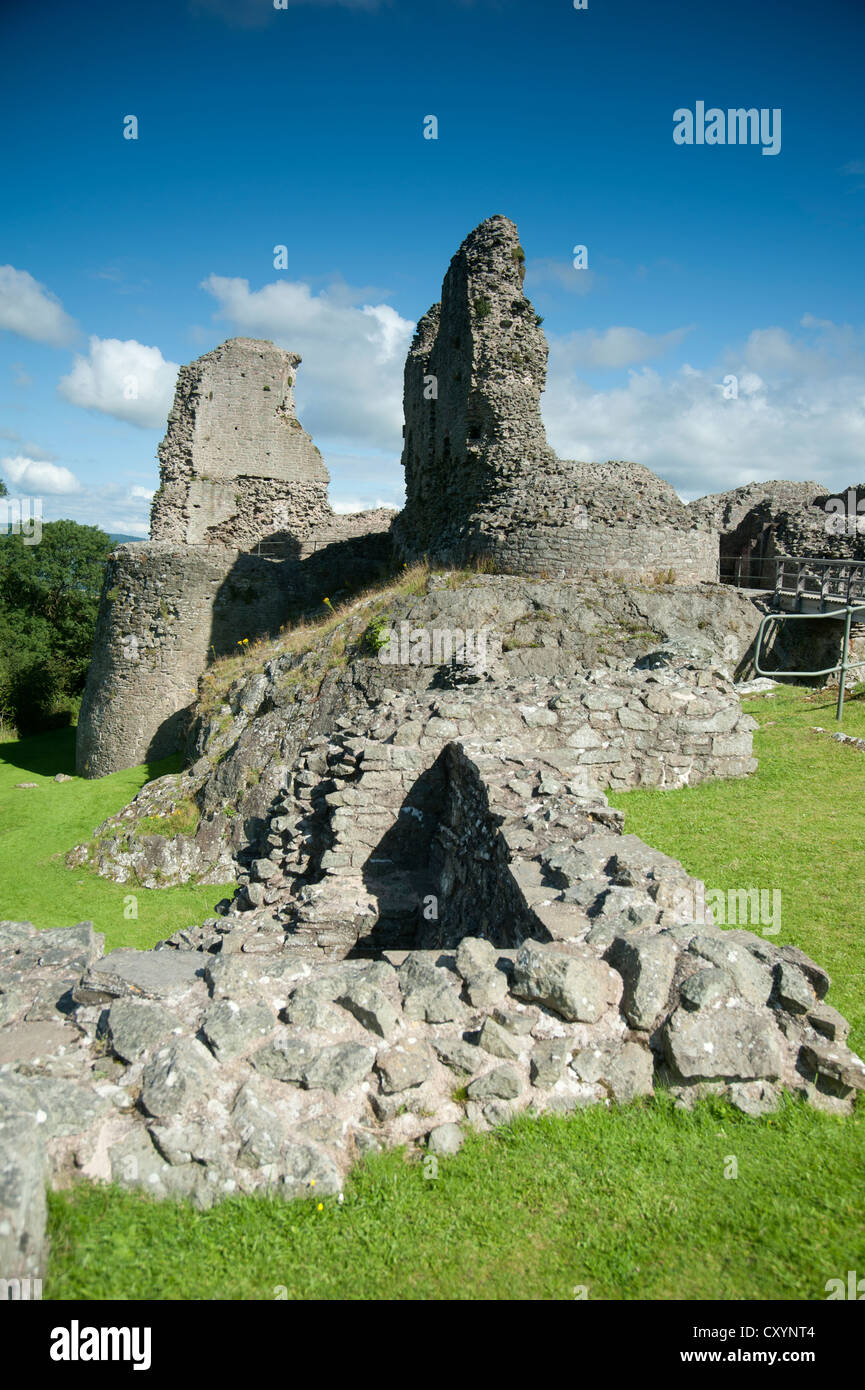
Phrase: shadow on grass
{"type": "Point", "coordinates": [49, 753]}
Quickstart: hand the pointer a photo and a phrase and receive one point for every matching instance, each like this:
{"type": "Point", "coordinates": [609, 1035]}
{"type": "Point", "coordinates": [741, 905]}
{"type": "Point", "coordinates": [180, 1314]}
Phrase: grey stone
{"type": "Point", "coordinates": [305, 1010]}
{"type": "Point", "coordinates": [60, 1106]}
{"type": "Point", "coordinates": [339, 1067]}
{"type": "Point", "coordinates": [230, 1028]}
{"type": "Point", "coordinates": [497, 1113]}
{"type": "Point", "coordinates": [754, 1098]}
{"type": "Point", "coordinates": [433, 1004]}
{"type": "Point", "coordinates": [74, 947]}
{"type": "Point", "coordinates": [13, 1001]}
{"type": "Point", "coordinates": [174, 1076]}
{"type": "Point", "coordinates": [233, 976]}
{"type": "Point", "coordinates": [403, 1067]}
{"type": "Point", "coordinates": [445, 1139]}
{"type": "Point", "coordinates": [828, 1021]}
{"type": "Point", "coordinates": [520, 1023]}
{"type": "Point", "coordinates": [264, 869]}
{"type": "Point", "coordinates": [736, 1043]}
{"type": "Point", "coordinates": [793, 991]}
{"type": "Point", "coordinates": [753, 981]}
{"type": "Point", "coordinates": [548, 1061]}
{"type": "Point", "coordinates": [504, 1083]}
{"type": "Point", "coordinates": [707, 989]}
{"type": "Point", "coordinates": [627, 1071]}
{"type": "Point", "coordinates": [23, 1178]}
{"type": "Point", "coordinates": [180, 1143]}
{"type": "Point", "coordinates": [487, 989]}
{"type": "Point", "coordinates": [370, 1007]}
{"type": "Point", "coordinates": [498, 1041]}
{"type": "Point", "coordinates": [136, 1029]}
{"type": "Point", "coordinates": [577, 987]}
{"type": "Point", "coordinates": [140, 974]}
{"type": "Point", "coordinates": [475, 957]}
{"type": "Point", "coordinates": [309, 1172]}
{"type": "Point", "coordinates": [259, 1127]}
{"type": "Point", "coordinates": [646, 964]}
{"type": "Point", "coordinates": [834, 1067]}
{"type": "Point", "coordinates": [285, 1059]}
{"type": "Point", "coordinates": [458, 1055]}
{"type": "Point", "coordinates": [815, 973]}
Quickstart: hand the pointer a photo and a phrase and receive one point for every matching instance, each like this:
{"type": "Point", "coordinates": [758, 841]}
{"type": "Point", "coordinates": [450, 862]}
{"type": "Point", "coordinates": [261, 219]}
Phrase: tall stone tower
{"type": "Point", "coordinates": [481, 479]}
{"type": "Point", "coordinates": [473, 381]}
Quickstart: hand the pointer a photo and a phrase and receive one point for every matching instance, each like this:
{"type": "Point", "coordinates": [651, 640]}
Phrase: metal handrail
{"type": "Point", "coordinates": [843, 666]}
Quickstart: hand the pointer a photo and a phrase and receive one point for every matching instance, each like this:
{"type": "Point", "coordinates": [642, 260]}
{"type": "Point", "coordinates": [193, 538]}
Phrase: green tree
{"type": "Point", "coordinates": [49, 598]}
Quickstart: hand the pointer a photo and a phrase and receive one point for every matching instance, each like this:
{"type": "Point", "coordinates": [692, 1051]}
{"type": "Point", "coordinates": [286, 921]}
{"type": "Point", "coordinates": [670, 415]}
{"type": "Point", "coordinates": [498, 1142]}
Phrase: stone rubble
{"type": "Point", "coordinates": [262, 1053]}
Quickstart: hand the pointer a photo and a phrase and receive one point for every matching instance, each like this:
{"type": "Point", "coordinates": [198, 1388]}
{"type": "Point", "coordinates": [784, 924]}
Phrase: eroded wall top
{"type": "Point", "coordinates": [236, 466]}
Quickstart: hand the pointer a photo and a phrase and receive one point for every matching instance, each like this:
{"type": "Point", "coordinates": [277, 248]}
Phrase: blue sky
{"type": "Point", "coordinates": [304, 126]}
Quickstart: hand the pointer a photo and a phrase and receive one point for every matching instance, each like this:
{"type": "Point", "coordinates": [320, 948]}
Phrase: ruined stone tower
{"type": "Point", "coordinates": [480, 476]}
{"type": "Point", "coordinates": [235, 464]}
{"type": "Point", "coordinates": [242, 533]}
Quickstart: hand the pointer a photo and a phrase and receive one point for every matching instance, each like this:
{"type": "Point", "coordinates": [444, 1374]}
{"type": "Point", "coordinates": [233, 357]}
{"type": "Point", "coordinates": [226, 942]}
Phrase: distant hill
{"type": "Point", "coordinates": [118, 538]}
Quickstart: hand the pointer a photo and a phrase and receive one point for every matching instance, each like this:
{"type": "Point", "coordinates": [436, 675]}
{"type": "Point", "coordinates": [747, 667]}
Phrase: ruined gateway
{"type": "Point", "coordinates": [437, 920]}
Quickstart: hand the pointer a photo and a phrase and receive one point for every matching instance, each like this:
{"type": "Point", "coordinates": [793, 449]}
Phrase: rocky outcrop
{"type": "Point", "coordinates": [481, 479]}
{"type": "Point", "coordinates": [557, 642]}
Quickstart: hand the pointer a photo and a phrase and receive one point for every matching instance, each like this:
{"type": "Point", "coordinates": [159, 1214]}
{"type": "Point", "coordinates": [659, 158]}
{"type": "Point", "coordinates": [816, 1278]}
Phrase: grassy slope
{"type": "Point", "coordinates": [38, 826]}
{"type": "Point", "coordinates": [634, 1204]}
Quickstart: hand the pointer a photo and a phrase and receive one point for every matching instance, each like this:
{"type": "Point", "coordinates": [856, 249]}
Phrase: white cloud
{"type": "Point", "coordinates": [124, 379]}
{"type": "Point", "coordinates": [32, 311]}
{"type": "Point", "coordinates": [349, 388]}
{"type": "Point", "coordinates": [142, 494]}
{"type": "Point", "coordinates": [546, 270]}
{"type": "Point", "coordinates": [616, 347]}
{"type": "Point", "coordinates": [799, 413]}
{"type": "Point", "coordinates": [34, 477]}
{"type": "Point", "coordinates": [350, 505]}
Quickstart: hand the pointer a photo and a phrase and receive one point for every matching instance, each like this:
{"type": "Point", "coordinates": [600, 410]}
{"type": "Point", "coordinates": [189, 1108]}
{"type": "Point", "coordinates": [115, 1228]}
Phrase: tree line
{"type": "Point", "coordinates": [49, 598]}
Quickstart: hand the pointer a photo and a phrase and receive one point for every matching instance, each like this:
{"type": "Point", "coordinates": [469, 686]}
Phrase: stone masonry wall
{"type": "Point", "coordinates": [235, 463]}
{"type": "Point", "coordinates": [762, 521]}
{"type": "Point", "coordinates": [243, 535]}
{"type": "Point", "coordinates": [167, 610]}
{"type": "Point", "coordinates": [480, 476]}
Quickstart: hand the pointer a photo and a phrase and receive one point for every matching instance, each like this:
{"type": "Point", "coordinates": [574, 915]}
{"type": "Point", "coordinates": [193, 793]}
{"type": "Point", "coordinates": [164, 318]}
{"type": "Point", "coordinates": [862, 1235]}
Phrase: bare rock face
{"type": "Point", "coordinates": [481, 479]}
{"type": "Point", "coordinates": [235, 464]}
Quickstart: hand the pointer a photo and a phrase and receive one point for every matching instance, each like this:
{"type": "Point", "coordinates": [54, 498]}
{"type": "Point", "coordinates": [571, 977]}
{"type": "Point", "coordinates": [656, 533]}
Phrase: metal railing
{"type": "Point", "coordinates": [838, 582]}
{"type": "Point", "coordinates": [825, 581]}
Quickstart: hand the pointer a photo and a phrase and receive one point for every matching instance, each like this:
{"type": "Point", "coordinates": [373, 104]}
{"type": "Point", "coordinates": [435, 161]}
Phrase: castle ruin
{"type": "Point", "coordinates": [481, 478]}
{"type": "Point", "coordinates": [243, 534]}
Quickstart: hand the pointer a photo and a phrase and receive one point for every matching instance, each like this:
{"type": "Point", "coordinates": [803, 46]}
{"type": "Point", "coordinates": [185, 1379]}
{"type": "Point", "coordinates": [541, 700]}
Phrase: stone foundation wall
{"type": "Point", "coordinates": [636, 553]}
{"type": "Point", "coordinates": [166, 611]}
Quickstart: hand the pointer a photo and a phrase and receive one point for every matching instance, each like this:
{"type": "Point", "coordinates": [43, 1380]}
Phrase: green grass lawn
{"type": "Point", "coordinates": [39, 825]}
{"type": "Point", "coordinates": [632, 1204]}
{"type": "Point", "coordinates": [797, 824]}
{"type": "Point", "coordinates": [628, 1205]}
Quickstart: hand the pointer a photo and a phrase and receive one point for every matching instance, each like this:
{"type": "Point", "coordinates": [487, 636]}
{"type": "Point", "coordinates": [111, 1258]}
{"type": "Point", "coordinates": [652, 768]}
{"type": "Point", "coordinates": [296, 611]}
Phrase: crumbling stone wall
{"type": "Point", "coordinates": [235, 463]}
{"type": "Point", "coordinates": [764, 520]}
{"type": "Point", "coordinates": [481, 478]}
{"type": "Point", "coordinates": [243, 535]}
